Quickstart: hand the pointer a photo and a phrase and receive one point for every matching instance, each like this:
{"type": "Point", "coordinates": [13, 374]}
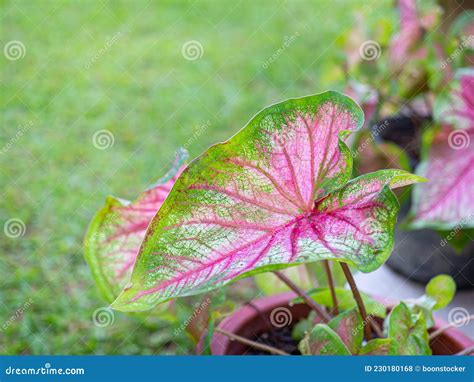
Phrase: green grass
{"type": "Point", "coordinates": [153, 101]}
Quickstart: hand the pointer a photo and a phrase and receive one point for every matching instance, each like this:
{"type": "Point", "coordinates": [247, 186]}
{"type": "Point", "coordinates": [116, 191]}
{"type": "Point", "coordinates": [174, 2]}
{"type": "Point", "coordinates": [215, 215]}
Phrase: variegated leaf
{"type": "Point", "coordinates": [117, 230]}
{"type": "Point", "coordinates": [274, 195]}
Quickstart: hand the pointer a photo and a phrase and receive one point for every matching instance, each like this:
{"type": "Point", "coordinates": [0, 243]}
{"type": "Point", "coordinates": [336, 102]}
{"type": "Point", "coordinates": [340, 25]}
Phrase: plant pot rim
{"type": "Point", "coordinates": [248, 313]}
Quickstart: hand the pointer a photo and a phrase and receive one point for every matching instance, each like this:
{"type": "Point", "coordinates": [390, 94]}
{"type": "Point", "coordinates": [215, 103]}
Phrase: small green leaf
{"type": "Point", "coordinates": [350, 328]}
{"type": "Point", "coordinates": [409, 331]}
{"type": "Point", "coordinates": [323, 341]}
{"type": "Point", "coordinates": [379, 346]}
{"type": "Point", "coordinates": [303, 327]}
{"type": "Point", "coordinates": [442, 289]}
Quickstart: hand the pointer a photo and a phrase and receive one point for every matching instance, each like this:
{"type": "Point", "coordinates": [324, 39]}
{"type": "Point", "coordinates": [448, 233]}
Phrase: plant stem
{"type": "Point", "coordinates": [467, 351]}
{"type": "Point", "coordinates": [308, 300]}
{"type": "Point", "coordinates": [441, 330]}
{"type": "Point", "coordinates": [358, 298]}
{"type": "Point", "coordinates": [335, 307]}
{"type": "Point", "coordinates": [246, 341]}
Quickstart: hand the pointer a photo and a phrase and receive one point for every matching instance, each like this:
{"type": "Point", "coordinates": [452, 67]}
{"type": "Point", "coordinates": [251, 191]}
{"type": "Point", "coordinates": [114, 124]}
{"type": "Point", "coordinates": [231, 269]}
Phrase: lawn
{"type": "Point", "coordinates": [123, 66]}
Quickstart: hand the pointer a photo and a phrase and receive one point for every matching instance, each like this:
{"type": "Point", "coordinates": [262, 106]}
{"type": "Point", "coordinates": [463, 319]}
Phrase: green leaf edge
{"type": "Point", "coordinates": [93, 262]}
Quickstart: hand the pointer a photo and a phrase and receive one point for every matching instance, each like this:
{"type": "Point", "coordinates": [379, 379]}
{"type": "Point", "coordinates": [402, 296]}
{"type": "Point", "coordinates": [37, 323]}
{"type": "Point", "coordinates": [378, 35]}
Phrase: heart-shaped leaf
{"type": "Point", "coordinates": [438, 294]}
{"type": "Point", "coordinates": [322, 340]}
{"type": "Point", "coordinates": [441, 288]}
{"type": "Point", "coordinates": [117, 230]}
{"type": "Point", "coordinates": [379, 346]}
{"type": "Point", "coordinates": [409, 331]}
{"type": "Point", "coordinates": [275, 194]}
{"type": "Point", "coordinates": [447, 201]}
{"type": "Point", "coordinates": [350, 329]}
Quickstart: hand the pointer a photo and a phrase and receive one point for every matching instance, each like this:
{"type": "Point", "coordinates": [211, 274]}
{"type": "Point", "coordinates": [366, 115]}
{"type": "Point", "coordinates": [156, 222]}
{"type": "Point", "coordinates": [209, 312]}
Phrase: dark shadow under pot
{"type": "Point", "coordinates": [422, 254]}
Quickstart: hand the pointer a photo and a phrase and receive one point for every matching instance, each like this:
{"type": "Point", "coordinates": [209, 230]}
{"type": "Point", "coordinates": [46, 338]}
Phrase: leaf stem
{"type": "Point", "coordinates": [335, 305]}
{"type": "Point", "coordinates": [358, 298]}
{"type": "Point", "coordinates": [308, 300]}
{"type": "Point", "coordinates": [246, 341]}
{"type": "Point", "coordinates": [452, 324]}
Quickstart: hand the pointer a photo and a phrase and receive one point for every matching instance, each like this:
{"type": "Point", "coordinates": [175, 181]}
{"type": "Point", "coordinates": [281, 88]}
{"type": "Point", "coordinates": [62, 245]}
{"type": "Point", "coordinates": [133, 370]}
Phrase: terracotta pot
{"type": "Point", "coordinates": [253, 319]}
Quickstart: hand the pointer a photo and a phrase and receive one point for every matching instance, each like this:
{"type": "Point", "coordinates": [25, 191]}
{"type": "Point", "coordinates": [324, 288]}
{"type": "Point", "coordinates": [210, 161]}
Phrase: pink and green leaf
{"type": "Point", "coordinates": [447, 200]}
{"type": "Point", "coordinates": [117, 231]}
{"type": "Point", "coordinates": [379, 346]}
{"type": "Point", "coordinates": [409, 331]}
{"type": "Point", "coordinates": [276, 194]}
{"type": "Point", "coordinates": [350, 329]}
{"type": "Point", "coordinates": [456, 106]}
{"type": "Point", "coordinates": [322, 340]}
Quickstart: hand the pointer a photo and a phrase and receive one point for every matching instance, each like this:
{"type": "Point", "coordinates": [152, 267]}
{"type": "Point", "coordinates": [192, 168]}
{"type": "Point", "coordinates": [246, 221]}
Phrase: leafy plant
{"type": "Point", "coordinates": [425, 74]}
{"type": "Point", "coordinates": [276, 195]}
{"type": "Point", "coordinates": [406, 327]}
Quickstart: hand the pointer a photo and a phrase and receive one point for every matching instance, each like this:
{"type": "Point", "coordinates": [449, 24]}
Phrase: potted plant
{"type": "Point", "coordinates": [417, 88]}
{"type": "Point", "coordinates": [277, 194]}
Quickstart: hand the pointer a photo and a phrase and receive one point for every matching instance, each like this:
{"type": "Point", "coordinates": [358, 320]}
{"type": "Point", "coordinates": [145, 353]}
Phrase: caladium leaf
{"type": "Point", "coordinates": [447, 201]}
{"type": "Point", "coordinates": [409, 331]}
{"type": "Point", "coordinates": [117, 230]}
{"type": "Point", "coordinates": [322, 340]}
{"type": "Point", "coordinates": [456, 106]}
{"type": "Point", "coordinates": [379, 346]}
{"type": "Point", "coordinates": [350, 329]}
{"type": "Point", "coordinates": [274, 195]}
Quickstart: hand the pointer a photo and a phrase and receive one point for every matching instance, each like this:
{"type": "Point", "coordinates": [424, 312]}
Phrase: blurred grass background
{"type": "Point", "coordinates": [118, 65]}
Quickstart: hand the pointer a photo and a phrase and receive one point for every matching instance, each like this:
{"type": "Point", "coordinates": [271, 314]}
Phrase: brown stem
{"type": "Point", "coordinates": [358, 298]}
{"type": "Point", "coordinates": [308, 300]}
{"type": "Point", "coordinates": [335, 307]}
{"type": "Point", "coordinates": [376, 328]}
{"type": "Point", "coordinates": [246, 341]}
{"type": "Point", "coordinates": [441, 330]}
{"type": "Point", "coordinates": [467, 351]}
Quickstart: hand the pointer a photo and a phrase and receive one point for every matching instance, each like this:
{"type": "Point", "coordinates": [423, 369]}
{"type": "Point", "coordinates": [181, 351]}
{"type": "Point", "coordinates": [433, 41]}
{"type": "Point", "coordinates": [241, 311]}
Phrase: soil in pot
{"type": "Point", "coordinates": [279, 338]}
{"type": "Point", "coordinates": [422, 254]}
